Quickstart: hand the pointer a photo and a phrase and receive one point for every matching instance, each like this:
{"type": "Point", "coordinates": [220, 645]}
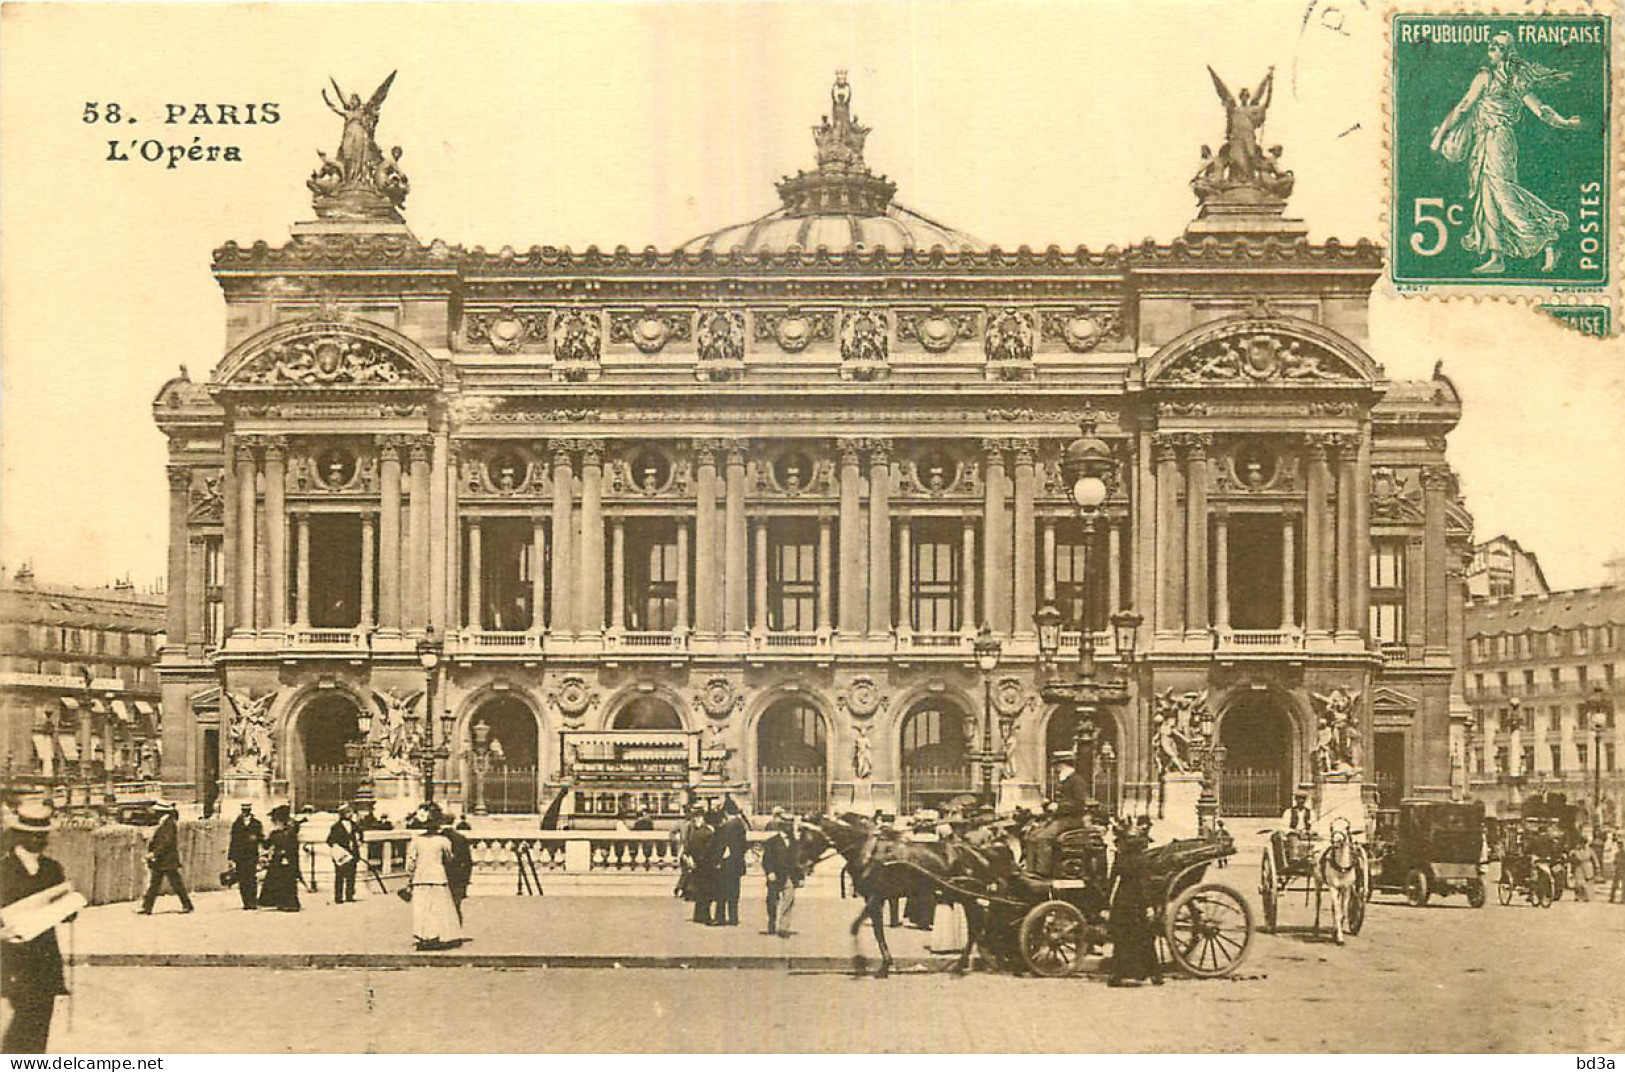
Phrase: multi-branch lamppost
{"type": "Point", "coordinates": [987, 649]}
{"type": "Point", "coordinates": [485, 751]}
{"type": "Point", "coordinates": [1084, 468]}
{"type": "Point", "coordinates": [424, 750]}
{"type": "Point", "coordinates": [1599, 709]}
{"type": "Point", "coordinates": [1515, 773]}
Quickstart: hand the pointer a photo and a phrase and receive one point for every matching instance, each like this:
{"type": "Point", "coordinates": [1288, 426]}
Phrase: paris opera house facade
{"type": "Point", "coordinates": [639, 526]}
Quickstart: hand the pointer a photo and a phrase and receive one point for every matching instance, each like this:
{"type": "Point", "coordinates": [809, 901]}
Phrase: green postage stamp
{"type": "Point", "coordinates": [1502, 153]}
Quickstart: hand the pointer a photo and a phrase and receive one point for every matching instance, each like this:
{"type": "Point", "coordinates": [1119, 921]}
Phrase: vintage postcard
{"type": "Point", "coordinates": [800, 528]}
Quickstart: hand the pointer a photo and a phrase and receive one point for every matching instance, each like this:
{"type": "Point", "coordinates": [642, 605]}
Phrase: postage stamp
{"type": "Point", "coordinates": [1502, 167]}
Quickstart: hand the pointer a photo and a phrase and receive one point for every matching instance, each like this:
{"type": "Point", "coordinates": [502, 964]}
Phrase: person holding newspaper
{"type": "Point", "coordinates": [34, 898]}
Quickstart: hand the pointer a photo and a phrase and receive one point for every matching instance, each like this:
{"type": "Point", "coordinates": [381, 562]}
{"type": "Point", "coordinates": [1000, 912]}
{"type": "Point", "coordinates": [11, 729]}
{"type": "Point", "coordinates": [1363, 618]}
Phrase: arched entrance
{"type": "Point", "coordinates": [1100, 758]}
{"type": "Point", "coordinates": [935, 754]}
{"type": "Point", "coordinates": [324, 773]}
{"type": "Point", "coordinates": [792, 758]}
{"type": "Point", "coordinates": [501, 743]}
{"type": "Point", "coordinates": [1256, 733]}
{"type": "Point", "coordinates": [648, 713]}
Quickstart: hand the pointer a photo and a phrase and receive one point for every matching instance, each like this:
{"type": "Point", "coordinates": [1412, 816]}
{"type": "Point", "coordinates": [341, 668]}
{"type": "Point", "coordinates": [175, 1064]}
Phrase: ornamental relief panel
{"type": "Point", "coordinates": [1082, 328]}
{"type": "Point", "coordinates": [327, 358]}
{"type": "Point", "coordinates": [798, 471]}
{"type": "Point", "coordinates": [332, 469]}
{"type": "Point", "coordinates": [794, 329]}
{"type": "Point", "coordinates": [1258, 357]}
{"type": "Point", "coordinates": [577, 342]}
{"type": "Point", "coordinates": [1396, 494]}
{"type": "Point", "coordinates": [936, 329]}
{"type": "Point", "coordinates": [503, 471]}
{"type": "Point", "coordinates": [649, 471]}
{"type": "Point", "coordinates": [1254, 465]}
{"type": "Point", "coordinates": [650, 330]}
{"type": "Point", "coordinates": [865, 344]}
{"type": "Point", "coordinates": [934, 472]}
{"type": "Point", "coordinates": [506, 329]}
{"type": "Point", "coordinates": [205, 498]}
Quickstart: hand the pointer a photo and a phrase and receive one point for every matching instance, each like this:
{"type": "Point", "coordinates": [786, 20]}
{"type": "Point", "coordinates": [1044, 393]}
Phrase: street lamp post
{"type": "Point", "coordinates": [485, 750]}
{"type": "Point", "coordinates": [1515, 753]}
{"type": "Point", "coordinates": [1600, 708]}
{"type": "Point", "coordinates": [426, 752]}
{"type": "Point", "coordinates": [987, 649]}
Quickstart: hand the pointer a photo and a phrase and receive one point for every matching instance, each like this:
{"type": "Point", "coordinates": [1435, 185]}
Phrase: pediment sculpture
{"type": "Point", "coordinates": [327, 358]}
{"type": "Point", "coordinates": [1258, 357]}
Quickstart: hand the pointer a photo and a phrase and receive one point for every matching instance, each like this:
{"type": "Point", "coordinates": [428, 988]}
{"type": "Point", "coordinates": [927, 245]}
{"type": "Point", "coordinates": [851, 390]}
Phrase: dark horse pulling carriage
{"type": "Point", "coordinates": [1047, 923]}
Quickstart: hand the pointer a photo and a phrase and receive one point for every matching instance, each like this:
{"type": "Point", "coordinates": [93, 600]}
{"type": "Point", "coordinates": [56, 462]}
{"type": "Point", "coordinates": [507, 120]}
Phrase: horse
{"type": "Point", "coordinates": [1339, 870]}
{"type": "Point", "coordinates": [885, 865]}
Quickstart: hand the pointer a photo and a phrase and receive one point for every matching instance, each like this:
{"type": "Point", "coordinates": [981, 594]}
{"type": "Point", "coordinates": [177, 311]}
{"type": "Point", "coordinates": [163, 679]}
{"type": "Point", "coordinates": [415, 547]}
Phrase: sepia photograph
{"type": "Point", "coordinates": [862, 528]}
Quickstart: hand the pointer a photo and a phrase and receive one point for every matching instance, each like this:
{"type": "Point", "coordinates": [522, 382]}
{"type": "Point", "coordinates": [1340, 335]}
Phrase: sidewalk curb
{"type": "Point", "coordinates": [397, 961]}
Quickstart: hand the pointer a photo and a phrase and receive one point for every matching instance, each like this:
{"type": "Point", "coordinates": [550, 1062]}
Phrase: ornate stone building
{"type": "Point", "coordinates": [732, 515]}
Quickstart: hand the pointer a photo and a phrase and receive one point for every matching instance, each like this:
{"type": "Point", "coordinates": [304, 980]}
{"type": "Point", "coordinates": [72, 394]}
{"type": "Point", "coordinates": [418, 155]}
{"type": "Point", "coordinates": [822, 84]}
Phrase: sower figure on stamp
{"type": "Point", "coordinates": [30, 968]}
{"type": "Point", "coordinates": [243, 851]}
{"type": "Point", "coordinates": [164, 860]}
{"type": "Point", "coordinates": [1508, 220]}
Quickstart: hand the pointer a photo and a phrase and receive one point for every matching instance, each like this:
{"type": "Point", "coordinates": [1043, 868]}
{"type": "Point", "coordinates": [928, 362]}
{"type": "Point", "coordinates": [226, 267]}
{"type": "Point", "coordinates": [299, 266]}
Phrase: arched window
{"type": "Point", "coordinates": [792, 765]}
{"type": "Point", "coordinates": [648, 713]}
{"type": "Point", "coordinates": [501, 773]}
{"type": "Point", "coordinates": [934, 751]}
{"type": "Point", "coordinates": [1256, 733]}
{"type": "Point", "coordinates": [326, 773]}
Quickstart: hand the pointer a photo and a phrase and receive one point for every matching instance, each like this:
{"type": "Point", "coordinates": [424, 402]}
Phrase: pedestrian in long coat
{"type": "Point", "coordinates": [434, 914]}
{"type": "Point", "coordinates": [781, 860]}
{"type": "Point", "coordinates": [280, 890]}
{"type": "Point", "coordinates": [243, 851]}
{"type": "Point", "coordinates": [699, 885]}
{"type": "Point", "coordinates": [344, 842]}
{"type": "Point", "coordinates": [1134, 939]}
{"type": "Point", "coordinates": [164, 861]}
{"type": "Point", "coordinates": [731, 845]}
{"type": "Point", "coordinates": [460, 868]}
{"type": "Point", "coordinates": [31, 970]}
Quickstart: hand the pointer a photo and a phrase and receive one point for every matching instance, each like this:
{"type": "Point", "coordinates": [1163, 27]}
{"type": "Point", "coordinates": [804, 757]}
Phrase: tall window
{"type": "Point", "coordinates": [935, 581]}
{"type": "Point", "coordinates": [214, 592]}
{"type": "Point", "coordinates": [654, 580]}
{"type": "Point", "coordinates": [1388, 591]}
{"type": "Point", "coordinates": [792, 577]}
{"type": "Point", "coordinates": [1557, 759]}
{"type": "Point", "coordinates": [1583, 753]}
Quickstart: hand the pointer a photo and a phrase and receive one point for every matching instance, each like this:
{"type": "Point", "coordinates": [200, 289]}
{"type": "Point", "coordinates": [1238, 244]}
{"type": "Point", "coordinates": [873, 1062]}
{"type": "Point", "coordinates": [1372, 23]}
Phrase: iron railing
{"type": "Point", "coordinates": [922, 786]}
{"type": "Point", "coordinates": [325, 788]}
{"type": "Point", "coordinates": [1252, 793]}
{"type": "Point", "coordinates": [803, 790]}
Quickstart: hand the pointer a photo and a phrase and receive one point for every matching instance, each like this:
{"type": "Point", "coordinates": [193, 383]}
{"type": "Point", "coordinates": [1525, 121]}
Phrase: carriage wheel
{"type": "Point", "coordinates": [1052, 939]}
{"type": "Point", "coordinates": [1209, 929]}
{"type": "Point", "coordinates": [1503, 887]}
{"type": "Point", "coordinates": [1268, 892]}
{"type": "Point", "coordinates": [1416, 888]}
{"type": "Point", "coordinates": [1475, 893]}
{"type": "Point", "coordinates": [1356, 916]}
{"type": "Point", "coordinates": [1540, 888]}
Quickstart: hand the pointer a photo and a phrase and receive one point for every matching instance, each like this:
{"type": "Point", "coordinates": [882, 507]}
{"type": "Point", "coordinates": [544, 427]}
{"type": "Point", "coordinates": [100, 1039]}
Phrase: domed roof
{"type": "Point", "coordinates": [841, 207]}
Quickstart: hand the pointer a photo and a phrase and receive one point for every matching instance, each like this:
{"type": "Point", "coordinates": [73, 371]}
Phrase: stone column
{"type": "Point", "coordinates": [905, 575]}
{"type": "Point", "coordinates": [851, 543]}
{"type": "Point", "coordinates": [247, 472]}
{"type": "Point", "coordinates": [1415, 596]}
{"type": "Point", "coordinates": [1049, 561]}
{"type": "Point", "coordinates": [825, 569]}
{"type": "Point", "coordinates": [1360, 576]}
{"type": "Point", "coordinates": [879, 536]}
{"type": "Point", "coordinates": [301, 576]}
{"type": "Point", "coordinates": [706, 604]}
{"type": "Point", "coordinates": [196, 588]}
{"type": "Point", "coordinates": [416, 614]}
{"type": "Point", "coordinates": [368, 614]}
{"type": "Point", "coordinates": [1289, 573]}
{"type": "Point", "coordinates": [276, 531]}
{"type": "Point", "coordinates": [1114, 569]}
{"type": "Point", "coordinates": [1025, 538]}
{"type": "Point", "coordinates": [178, 589]}
{"type": "Point", "coordinates": [736, 583]}
{"type": "Point", "coordinates": [1347, 567]}
{"type": "Point", "coordinates": [442, 521]}
{"type": "Point", "coordinates": [1434, 604]}
{"type": "Point", "coordinates": [474, 615]}
{"type": "Point", "coordinates": [682, 577]}
{"type": "Point", "coordinates": [758, 615]}
{"type": "Point", "coordinates": [1196, 579]}
{"type": "Point", "coordinates": [538, 572]}
{"type": "Point", "coordinates": [563, 581]}
{"type": "Point", "coordinates": [1317, 558]}
{"type": "Point", "coordinates": [617, 575]}
{"type": "Point", "coordinates": [967, 577]}
{"type": "Point", "coordinates": [389, 534]}
{"type": "Point", "coordinates": [1170, 583]}
{"type": "Point", "coordinates": [589, 605]}
{"type": "Point", "coordinates": [1143, 507]}
{"type": "Point", "coordinates": [1221, 568]}
{"type": "Point", "coordinates": [996, 607]}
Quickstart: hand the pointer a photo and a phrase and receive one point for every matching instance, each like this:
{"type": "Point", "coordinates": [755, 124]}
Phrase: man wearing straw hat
{"type": "Point", "coordinates": [30, 969]}
{"type": "Point", "coordinates": [164, 860]}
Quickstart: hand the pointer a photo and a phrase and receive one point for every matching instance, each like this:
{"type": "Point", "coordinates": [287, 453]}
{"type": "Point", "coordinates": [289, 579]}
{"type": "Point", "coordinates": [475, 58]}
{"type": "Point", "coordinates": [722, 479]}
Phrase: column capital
{"type": "Point", "coordinates": [1319, 444]}
{"type": "Point", "coordinates": [592, 452]}
{"type": "Point", "coordinates": [879, 448]}
{"type": "Point", "coordinates": [276, 448]}
{"type": "Point", "coordinates": [246, 447]}
{"type": "Point", "coordinates": [368, 514]}
{"type": "Point", "coordinates": [850, 449]}
{"type": "Point", "coordinates": [562, 449]}
{"type": "Point", "coordinates": [994, 447]}
{"type": "Point", "coordinates": [1165, 446]}
{"type": "Point", "coordinates": [1026, 450]}
{"type": "Point", "coordinates": [706, 450]}
{"type": "Point", "coordinates": [1345, 443]}
{"type": "Point", "coordinates": [1436, 477]}
{"type": "Point", "coordinates": [735, 450]}
{"type": "Point", "coordinates": [420, 447]}
{"type": "Point", "coordinates": [1194, 444]}
{"type": "Point", "coordinates": [180, 478]}
{"type": "Point", "coordinates": [390, 447]}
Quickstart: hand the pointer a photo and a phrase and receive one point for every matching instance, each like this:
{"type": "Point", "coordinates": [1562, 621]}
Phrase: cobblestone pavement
{"type": "Point", "coordinates": [1446, 978]}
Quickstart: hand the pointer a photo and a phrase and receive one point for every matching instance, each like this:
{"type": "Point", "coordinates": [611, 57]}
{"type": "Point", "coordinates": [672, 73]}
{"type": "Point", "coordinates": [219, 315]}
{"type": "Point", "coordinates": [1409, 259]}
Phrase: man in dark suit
{"type": "Point", "coordinates": [1071, 811]}
{"type": "Point", "coordinates": [164, 860]}
{"type": "Point", "coordinates": [460, 868]}
{"type": "Point", "coordinates": [781, 859]}
{"type": "Point", "coordinates": [30, 971]}
{"type": "Point", "coordinates": [698, 883]}
{"type": "Point", "coordinates": [732, 842]}
{"type": "Point", "coordinates": [247, 835]}
{"type": "Point", "coordinates": [344, 842]}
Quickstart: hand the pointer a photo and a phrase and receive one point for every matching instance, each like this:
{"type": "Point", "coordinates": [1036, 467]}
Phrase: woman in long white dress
{"type": "Point", "coordinates": [434, 913]}
{"type": "Point", "coordinates": [1508, 220]}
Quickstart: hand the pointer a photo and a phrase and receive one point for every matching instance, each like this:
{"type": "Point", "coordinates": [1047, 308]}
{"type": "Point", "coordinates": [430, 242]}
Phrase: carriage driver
{"type": "Point", "coordinates": [1300, 821]}
{"type": "Point", "coordinates": [1071, 812]}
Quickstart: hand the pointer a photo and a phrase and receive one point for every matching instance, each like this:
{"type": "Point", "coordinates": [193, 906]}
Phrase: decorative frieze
{"type": "Point", "coordinates": [1081, 329]}
{"type": "Point", "coordinates": [865, 345]}
{"type": "Point", "coordinates": [721, 345]}
{"type": "Point", "coordinates": [650, 330]}
{"type": "Point", "coordinates": [794, 329]}
{"type": "Point", "coordinates": [936, 329]}
{"type": "Point", "coordinates": [577, 345]}
{"type": "Point", "coordinates": [506, 330]}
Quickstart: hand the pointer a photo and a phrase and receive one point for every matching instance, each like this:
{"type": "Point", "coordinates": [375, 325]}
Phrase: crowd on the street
{"type": "Point", "coordinates": [714, 847]}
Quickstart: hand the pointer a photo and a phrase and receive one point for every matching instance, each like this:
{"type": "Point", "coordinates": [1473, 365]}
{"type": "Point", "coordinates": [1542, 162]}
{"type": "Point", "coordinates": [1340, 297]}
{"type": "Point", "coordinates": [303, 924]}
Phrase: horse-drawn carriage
{"type": "Point", "coordinates": [1303, 861]}
{"type": "Point", "coordinates": [1428, 848]}
{"type": "Point", "coordinates": [1047, 923]}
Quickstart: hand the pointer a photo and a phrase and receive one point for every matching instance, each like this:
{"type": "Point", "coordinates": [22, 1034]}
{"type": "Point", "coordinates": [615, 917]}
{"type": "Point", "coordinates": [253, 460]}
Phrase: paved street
{"type": "Point", "coordinates": [1447, 978]}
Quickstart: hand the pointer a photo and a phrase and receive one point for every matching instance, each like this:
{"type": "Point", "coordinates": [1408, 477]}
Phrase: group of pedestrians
{"type": "Point", "coordinates": [714, 846]}
{"type": "Point", "coordinates": [251, 851]}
